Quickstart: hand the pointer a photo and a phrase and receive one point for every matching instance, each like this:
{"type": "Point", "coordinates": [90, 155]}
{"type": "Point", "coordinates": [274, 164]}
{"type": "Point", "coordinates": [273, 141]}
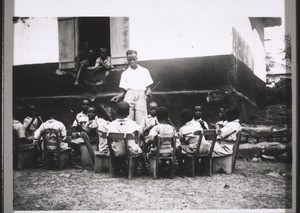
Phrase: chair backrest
{"type": "Point", "coordinates": [211, 133]}
{"type": "Point", "coordinates": [120, 138]}
{"type": "Point", "coordinates": [159, 139]}
{"type": "Point", "coordinates": [51, 138]}
{"type": "Point", "coordinates": [102, 134]}
{"type": "Point", "coordinates": [236, 148]}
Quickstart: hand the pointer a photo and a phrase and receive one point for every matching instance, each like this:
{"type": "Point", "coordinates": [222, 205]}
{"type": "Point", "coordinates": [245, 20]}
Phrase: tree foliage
{"type": "Point", "coordinates": [270, 63]}
{"type": "Point", "coordinates": [281, 93]}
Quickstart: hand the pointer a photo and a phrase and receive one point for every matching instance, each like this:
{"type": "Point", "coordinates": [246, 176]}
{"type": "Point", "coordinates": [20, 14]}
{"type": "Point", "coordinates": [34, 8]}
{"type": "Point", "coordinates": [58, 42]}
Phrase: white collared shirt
{"type": "Point", "coordinates": [205, 123]}
{"type": "Point", "coordinates": [137, 79]}
{"type": "Point", "coordinates": [51, 124]}
{"type": "Point", "coordinates": [148, 121]}
{"type": "Point", "coordinates": [82, 119]}
{"type": "Point", "coordinates": [230, 130]}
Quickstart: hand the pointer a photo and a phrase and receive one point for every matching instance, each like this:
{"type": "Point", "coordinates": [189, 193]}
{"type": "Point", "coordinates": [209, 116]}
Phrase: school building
{"type": "Point", "coordinates": [212, 61]}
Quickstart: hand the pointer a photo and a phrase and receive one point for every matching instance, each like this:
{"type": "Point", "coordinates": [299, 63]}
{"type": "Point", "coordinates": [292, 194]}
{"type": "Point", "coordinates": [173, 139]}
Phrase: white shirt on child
{"type": "Point", "coordinates": [52, 124]}
{"type": "Point", "coordinates": [124, 126]}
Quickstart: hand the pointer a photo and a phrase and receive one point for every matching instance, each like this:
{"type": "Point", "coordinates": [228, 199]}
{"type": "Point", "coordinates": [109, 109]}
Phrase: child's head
{"type": "Point", "coordinates": [186, 116]}
{"type": "Point", "coordinates": [85, 105]}
{"type": "Point", "coordinates": [103, 52]}
{"type": "Point", "coordinates": [232, 114]}
{"type": "Point", "coordinates": [198, 111]}
{"type": "Point", "coordinates": [31, 110]}
{"type": "Point", "coordinates": [91, 112]}
{"type": "Point", "coordinates": [152, 108]}
{"type": "Point", "coordinates": [221, 114]}
{"type": "Point", "coordinates": [49, 113]}
{"type": "Point", "coordinates": [122, 109]}
{"type": "Point", "coordinates": [162, 114]}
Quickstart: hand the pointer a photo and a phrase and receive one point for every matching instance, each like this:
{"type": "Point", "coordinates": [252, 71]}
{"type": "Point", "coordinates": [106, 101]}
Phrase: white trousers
{"type": "Point", "coordinates": [138, 104]}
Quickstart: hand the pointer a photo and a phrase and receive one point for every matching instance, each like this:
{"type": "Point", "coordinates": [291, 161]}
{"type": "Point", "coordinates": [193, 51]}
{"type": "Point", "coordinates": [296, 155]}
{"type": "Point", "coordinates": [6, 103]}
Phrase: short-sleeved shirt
{"type": "Point", "coordinates": [124, 126]}
{"type": "Point", "coordinates": [230, 130]}
{"type": "Point", "coordinates": [163, 129]}
{"type": "Point", "coordinates": [187, 131]}
{"type": "Point", "coordinates": [107, 61]}
{"type": "Point", "coordinates": [102, 125]}
{"type": "Point", "coordinates": [82, 119]}
{"type": "Point", "coordinates": [51, 124]}
{"type": "Point", "coordinates": [135, 79]}
{"type": "Point", "coordinates": [204, 122]}
{"type": "Point", "coordinates": [147, 122]}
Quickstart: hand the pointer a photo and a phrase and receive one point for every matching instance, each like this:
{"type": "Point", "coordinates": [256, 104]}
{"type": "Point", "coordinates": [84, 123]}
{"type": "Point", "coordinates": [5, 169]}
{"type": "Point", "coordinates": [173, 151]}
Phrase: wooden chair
{"type": "Point", "coordinates": [87, 150]}
{"type": "Point", "coordinates": [157, 157]}
{"type": "Point", "coordinates": [23, 157]}
{"type": "Point", "coordinates": [191, 161]}
{"type": "Point", "coordinates": [102, 160]}
{"type": "Point", "coordinates": [132, 160]}
{"type": "Point", "coordinates": [51, 137]}
{"type": "Point", "coordinates": [227, 163]}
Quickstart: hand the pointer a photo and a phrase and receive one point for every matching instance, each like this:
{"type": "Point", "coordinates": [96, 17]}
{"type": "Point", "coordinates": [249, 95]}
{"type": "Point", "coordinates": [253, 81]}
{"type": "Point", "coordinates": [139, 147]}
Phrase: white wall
{"type": "Point", "coordinates": [175, 37]}
{"type": "Point", "coordinates": [251, 37]}
{"type": "Point", "coordinates": [36, 41]}
{"type": "Point", "coordinates": [156, 37]}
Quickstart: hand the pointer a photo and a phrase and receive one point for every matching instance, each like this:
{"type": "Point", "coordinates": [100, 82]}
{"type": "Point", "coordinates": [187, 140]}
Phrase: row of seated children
{"type": "Point", "coordinates": [157, 122]}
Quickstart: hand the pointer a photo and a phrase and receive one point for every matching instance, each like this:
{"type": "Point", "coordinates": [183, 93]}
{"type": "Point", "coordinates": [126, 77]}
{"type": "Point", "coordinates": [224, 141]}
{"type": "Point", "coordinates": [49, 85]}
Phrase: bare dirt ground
{"type": "Point", "coordinates": [256, 185]}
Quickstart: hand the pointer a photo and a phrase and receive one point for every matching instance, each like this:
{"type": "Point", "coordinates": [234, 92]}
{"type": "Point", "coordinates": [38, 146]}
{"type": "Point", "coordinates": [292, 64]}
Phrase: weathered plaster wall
{"type": "Point", "coordinates": [248, 47]}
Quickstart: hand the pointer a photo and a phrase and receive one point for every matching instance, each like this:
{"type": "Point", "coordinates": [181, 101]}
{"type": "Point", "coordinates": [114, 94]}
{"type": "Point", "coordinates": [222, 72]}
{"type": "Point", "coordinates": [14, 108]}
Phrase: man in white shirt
{"type": "Point", "coordinates": [135, 82]}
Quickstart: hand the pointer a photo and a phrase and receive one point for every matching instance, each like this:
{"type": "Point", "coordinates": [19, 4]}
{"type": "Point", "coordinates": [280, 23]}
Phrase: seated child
{"type": "Point", "coordinates": [124, 125]}
{"type": "Point", "coordinates": [51, 123]}
{"type": "Point", "coordinates": [150, 120]}
{"type": "Point", "coordinates": [19, 129]}
{"type": "Point", "coordinates": [160, 129]}
{"type": "Point", "coordinates": [80, 120]}
{"type": "Point", "coordinates": [86, 55]}
{"type": "Point", "coordinates": [186, 132]}
{"type": "Point", "coordinates": [221, 123]}
{"type": "Point", "coordinates": [91, 126]}
{"type": "Point", "coordinates": [224, 146]}
{"type": "Point", "coordinates": [32, 122]}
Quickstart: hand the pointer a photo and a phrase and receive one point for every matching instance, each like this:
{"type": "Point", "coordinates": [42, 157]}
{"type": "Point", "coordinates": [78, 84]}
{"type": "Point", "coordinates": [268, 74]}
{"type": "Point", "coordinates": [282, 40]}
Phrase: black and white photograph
{"type": "Point", "coordinates": [153, 106]}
